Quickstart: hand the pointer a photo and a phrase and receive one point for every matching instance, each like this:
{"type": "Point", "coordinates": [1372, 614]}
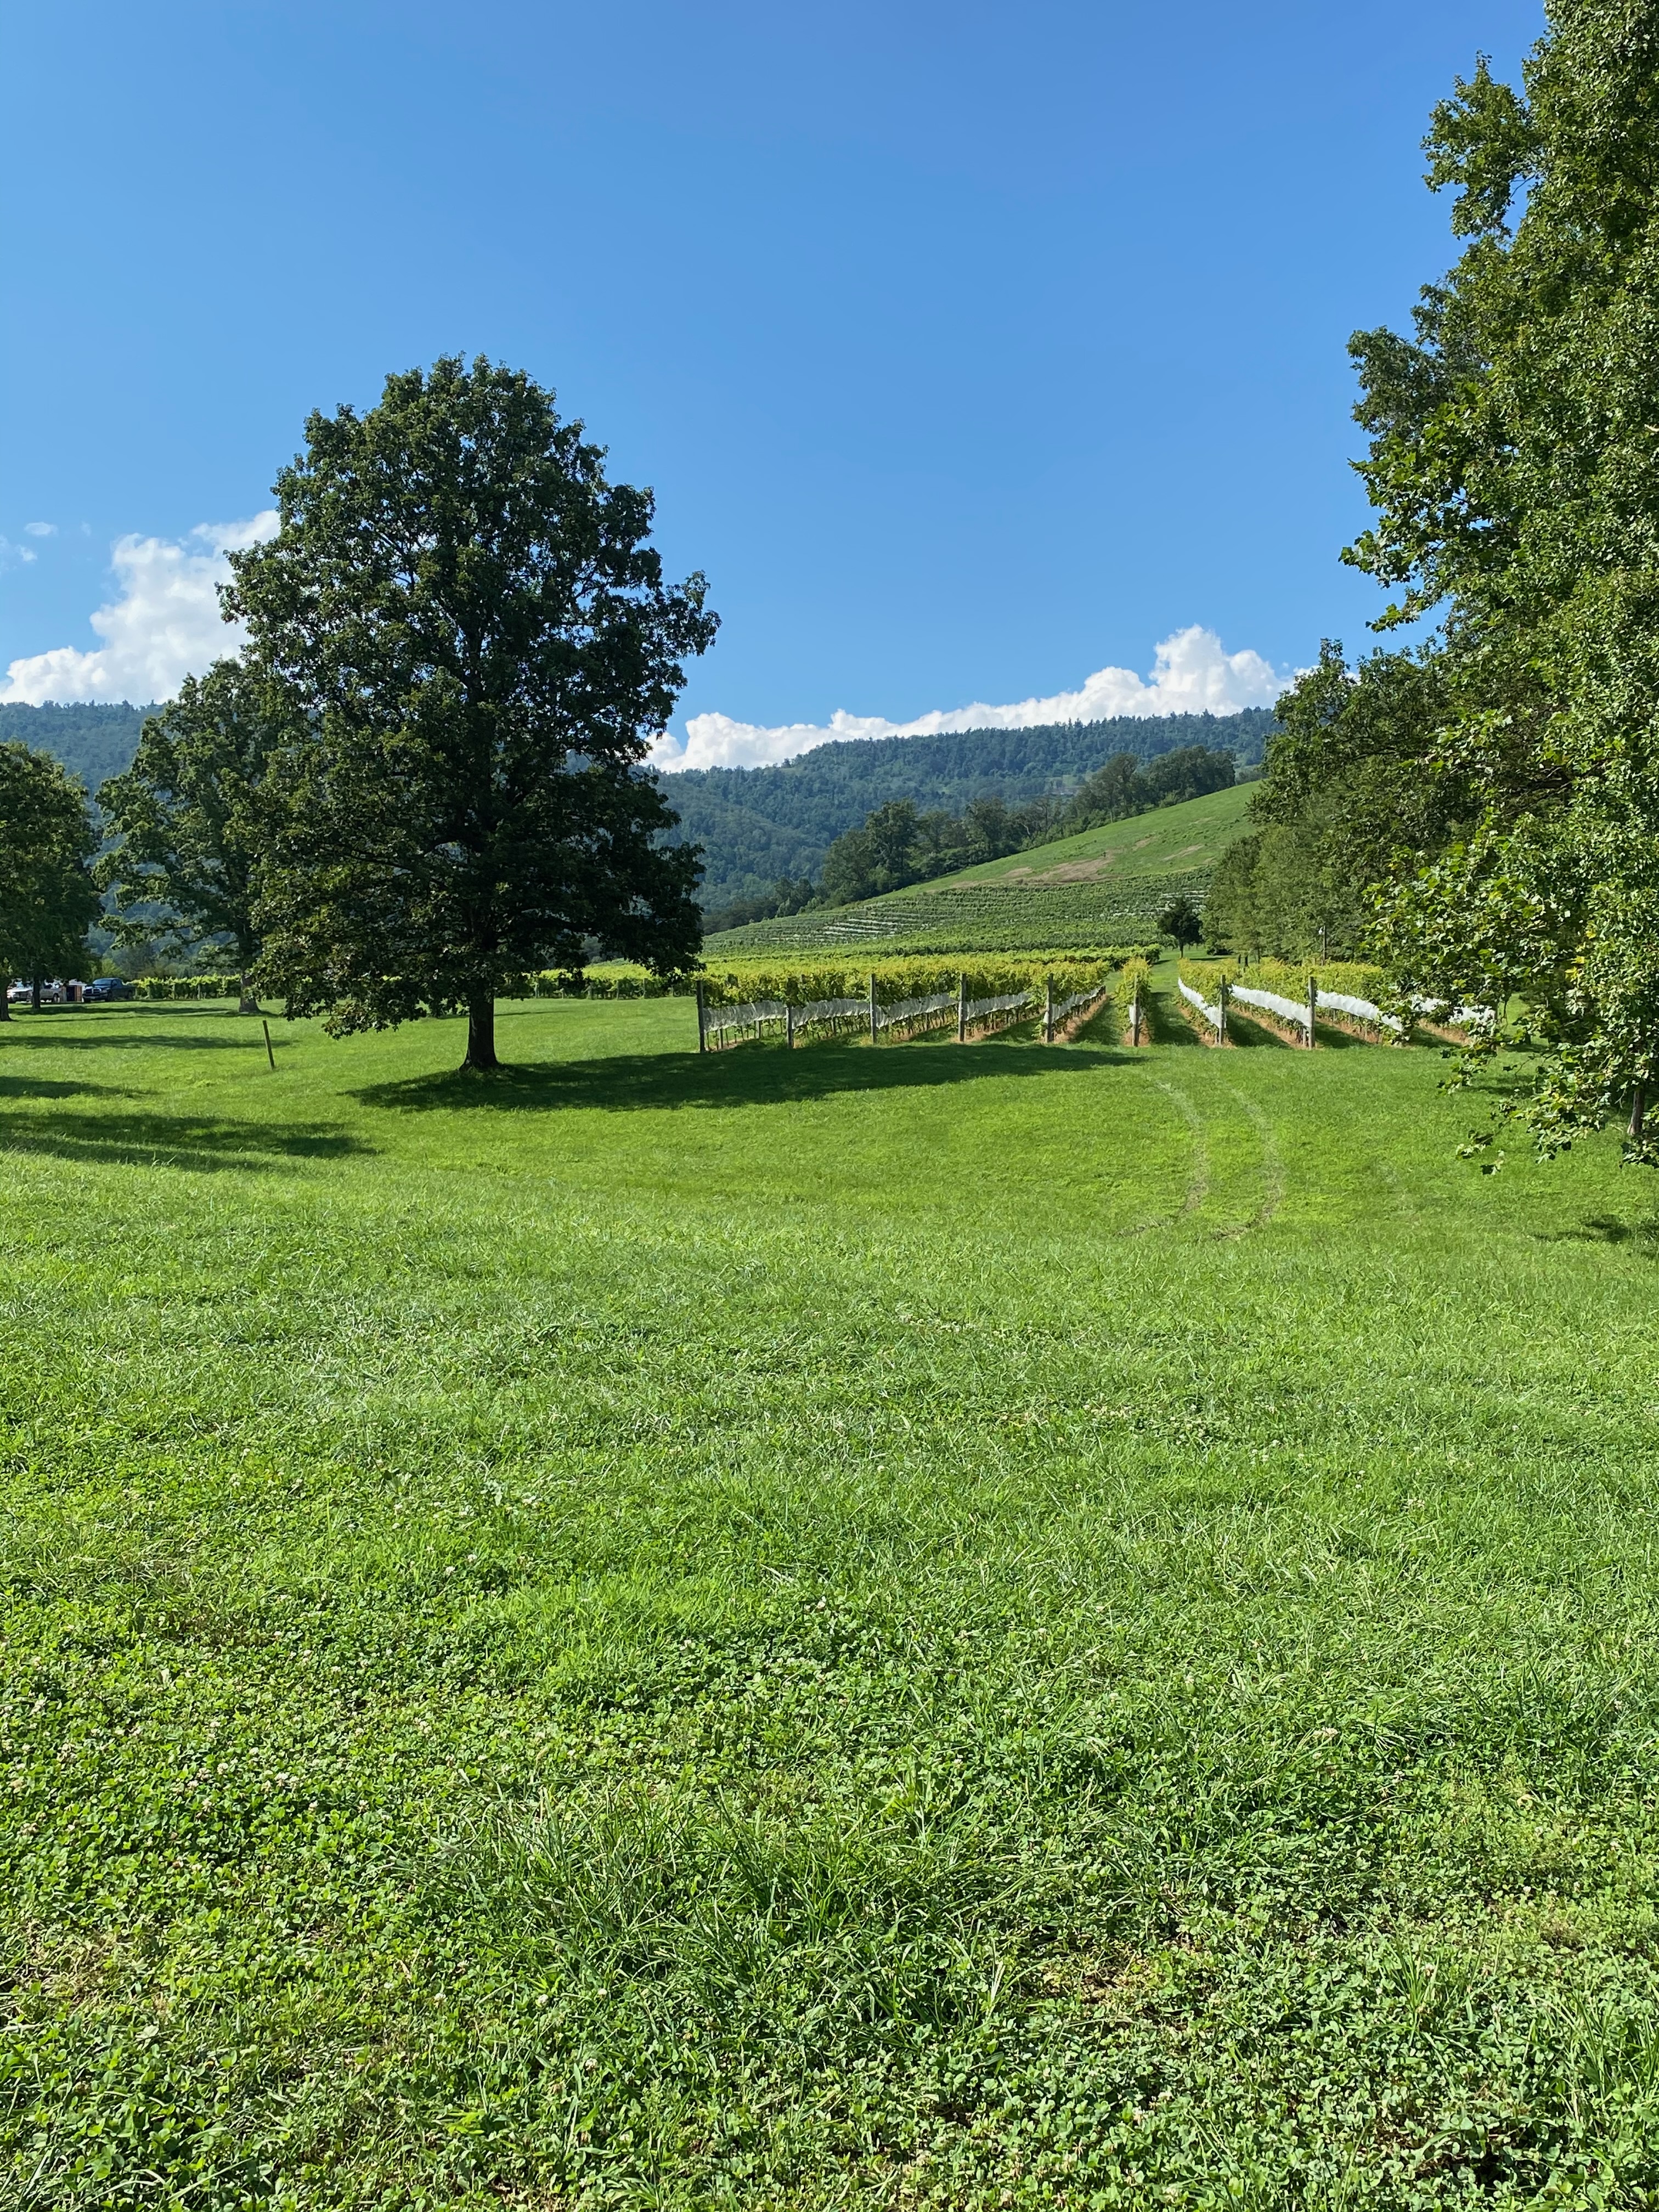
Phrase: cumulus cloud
{"type": "Point", "coordinates": [1191, 672]}
{"type": "Point", "coordinates": [40, 529]}
{"type": "Point", "coordinates": [163, 626]}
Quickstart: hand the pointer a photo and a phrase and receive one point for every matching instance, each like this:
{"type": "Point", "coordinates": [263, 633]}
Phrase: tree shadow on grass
{"type": "Point", "coordinates": [190, 1141]}
{"type": "Point", "coordinates": [18, 1036]}
{"type": "Point", "coordinates": [1641, 1237]}
{"type": "Point", "coordinates": [47, 1086]}
{"type": "Point", "coordinates": [747, 1075]}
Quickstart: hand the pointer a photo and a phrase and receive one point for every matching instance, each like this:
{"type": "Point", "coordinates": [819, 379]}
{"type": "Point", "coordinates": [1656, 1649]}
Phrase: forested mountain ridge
{"type": "Point", "coordinates": [92, 741]}
{"type": "Point", "coordinates": [760, 824]}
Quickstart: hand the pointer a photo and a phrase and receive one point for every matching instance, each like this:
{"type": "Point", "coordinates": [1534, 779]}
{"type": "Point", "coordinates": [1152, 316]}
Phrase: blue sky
{"type": "Point", "coordinates": [969, 349]}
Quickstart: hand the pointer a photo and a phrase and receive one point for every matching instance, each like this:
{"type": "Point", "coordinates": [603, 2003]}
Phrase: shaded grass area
{"type": "Point", "coordinates": [881, 1627]}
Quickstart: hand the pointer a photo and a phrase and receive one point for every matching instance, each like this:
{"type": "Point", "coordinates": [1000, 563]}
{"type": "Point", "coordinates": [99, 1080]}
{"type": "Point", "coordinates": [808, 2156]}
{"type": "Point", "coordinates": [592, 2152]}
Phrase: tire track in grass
{"type": "Point", "coordinates": [1198, 1186]}
{"type": "Point", "coordinates": [1273, 1160]}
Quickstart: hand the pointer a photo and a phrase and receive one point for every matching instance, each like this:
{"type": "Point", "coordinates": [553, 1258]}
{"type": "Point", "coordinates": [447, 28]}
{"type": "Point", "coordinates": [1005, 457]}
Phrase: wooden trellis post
{"type": "Point", "coordinates": [1313, 1007]}
{"type": "Point", "coordinates": [873, 1027]}
{"type": "Point", "coordinates": [1221, 1012]}
{"type": "Point", "coordinates": [789, 1024]}
{"type": "Point", "coordinates": [1047, 1010]}
{"type": "Point", "coordinates": [961, 1009]}
{"type": "Point", "coordinates": [702, 1022]}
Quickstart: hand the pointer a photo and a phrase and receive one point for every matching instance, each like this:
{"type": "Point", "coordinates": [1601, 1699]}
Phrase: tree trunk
{"type": "Point", "coordinates": [481, 1035]}
{"type": "Point", "coordinates": [250, 998]}
{"type": "Point", "coordinates": [1638, 1107]}
{"type": "Point", "coordinates": [35, 982]}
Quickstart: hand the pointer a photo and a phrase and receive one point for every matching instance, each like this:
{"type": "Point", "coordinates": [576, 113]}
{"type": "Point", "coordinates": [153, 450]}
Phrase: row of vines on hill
{"type": "Point", "coordinates": [904, 997]}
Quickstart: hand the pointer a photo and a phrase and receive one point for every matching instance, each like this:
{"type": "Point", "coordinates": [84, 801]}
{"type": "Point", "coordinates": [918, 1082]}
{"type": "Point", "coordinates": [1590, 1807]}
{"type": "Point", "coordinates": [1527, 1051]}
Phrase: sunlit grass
{"type": "Point", "coordinates": [967, 1626]}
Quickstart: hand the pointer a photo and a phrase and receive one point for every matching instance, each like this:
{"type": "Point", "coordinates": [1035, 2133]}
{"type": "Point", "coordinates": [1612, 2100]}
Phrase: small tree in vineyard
{"type": "Point", "coordinates": [475, 644]}
{"type": "Point", "coordinates": [1181, 920]}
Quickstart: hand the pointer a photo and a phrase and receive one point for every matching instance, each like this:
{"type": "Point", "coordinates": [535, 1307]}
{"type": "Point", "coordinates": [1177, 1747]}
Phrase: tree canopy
{"type": "Point", "coordinates": [469, 632]}
{"type": "Point", "coordinates": [47, 837]}
{"type": "Point", "coordinates": [1497, 788]}
{"type": "Point", "coordinates": [187, 814]}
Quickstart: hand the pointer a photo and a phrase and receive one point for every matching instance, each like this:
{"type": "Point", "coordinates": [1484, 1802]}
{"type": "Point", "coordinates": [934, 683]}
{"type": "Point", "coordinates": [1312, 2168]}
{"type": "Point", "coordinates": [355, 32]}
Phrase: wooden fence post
{"type": "Point", "coordinates": [872, 1006]}
{"type": "Point", "coordinates": [789, 1024]}
{"type": "Point", "coordinates": [1313, 1007]}
{"type": "Point", "coordinates": [702, 1023]}
{"type": "Point", "coordinates": [1047, 1010]}
{"type": "Point", "coordinates": [961, 1009]}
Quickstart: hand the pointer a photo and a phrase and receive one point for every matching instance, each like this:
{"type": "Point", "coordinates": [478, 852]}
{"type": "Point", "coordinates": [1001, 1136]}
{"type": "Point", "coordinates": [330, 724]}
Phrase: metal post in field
{"type": "Point", "coordinates": [961, 1009]}
{"type": "Point", "coordinates": [702, 1022]}
{"type": "Point", "coordinates": [872, 1005]}
{"type": "Point", "coordinates": [269, 1054]}
{"type": "Point", "coordinates": [1313, 1007]}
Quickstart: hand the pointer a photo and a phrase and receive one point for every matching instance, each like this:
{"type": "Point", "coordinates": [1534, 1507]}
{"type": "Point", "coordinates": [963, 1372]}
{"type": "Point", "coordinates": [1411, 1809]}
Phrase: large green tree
{"type": "Point", "coordinates": [48, 898]}
{"type": "Point", "coordinates": [188, 813]}
{"type": "Point", "coordinates": [470, 632]}
{"type": "Point", "coordinates": [1502, 780]}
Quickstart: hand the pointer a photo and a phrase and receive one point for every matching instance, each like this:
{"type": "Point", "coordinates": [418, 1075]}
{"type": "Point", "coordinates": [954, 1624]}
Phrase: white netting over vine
{"type": "Point", "coordinates": [908, 1010]}
{"type": "Point", "coordinates": [1004, 1002]}
{"type": "Point", "coordinates": [1211, 1014]}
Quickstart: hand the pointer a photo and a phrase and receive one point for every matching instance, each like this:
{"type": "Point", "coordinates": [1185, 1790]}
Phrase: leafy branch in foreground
{"type": "Point", "coordinates": [1503, 781]}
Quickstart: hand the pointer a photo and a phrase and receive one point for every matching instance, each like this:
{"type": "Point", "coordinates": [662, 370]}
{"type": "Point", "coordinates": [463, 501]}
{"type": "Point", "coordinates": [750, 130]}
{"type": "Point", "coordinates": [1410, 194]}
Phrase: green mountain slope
{"type": "Point", "coordinates": [1103, 886]}
{"type": "Point", "coordinates": [92, 741]}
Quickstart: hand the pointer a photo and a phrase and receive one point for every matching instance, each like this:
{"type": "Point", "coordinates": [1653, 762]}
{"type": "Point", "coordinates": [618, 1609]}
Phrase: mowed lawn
{"type": "Point", "coordinates": [937, 1626]}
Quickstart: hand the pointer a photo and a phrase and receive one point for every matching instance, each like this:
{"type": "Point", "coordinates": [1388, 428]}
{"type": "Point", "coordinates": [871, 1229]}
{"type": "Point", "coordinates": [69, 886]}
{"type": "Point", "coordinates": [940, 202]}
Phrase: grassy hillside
{"type": "Point", "coordinates": [1103, 885]}
{"type": "Point", "coordinates": [1184, 840]}
{"type": "Point", "coordinates": [976, 1626]}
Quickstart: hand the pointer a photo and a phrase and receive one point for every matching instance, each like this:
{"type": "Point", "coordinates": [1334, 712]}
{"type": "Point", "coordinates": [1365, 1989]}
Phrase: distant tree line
{"type": "Point", "coordinates": [897, 844]}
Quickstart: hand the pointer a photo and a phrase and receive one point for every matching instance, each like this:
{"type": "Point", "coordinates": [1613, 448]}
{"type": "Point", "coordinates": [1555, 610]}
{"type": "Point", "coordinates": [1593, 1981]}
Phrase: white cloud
{"type": "Point", "coordinates": [1191, 673]}
{"type": "Point", "coordinates": [164, 626]}
{"type": "Point", "coordinates": [13, 557]}
{"type": "Point", "coordinates": [40, 529]}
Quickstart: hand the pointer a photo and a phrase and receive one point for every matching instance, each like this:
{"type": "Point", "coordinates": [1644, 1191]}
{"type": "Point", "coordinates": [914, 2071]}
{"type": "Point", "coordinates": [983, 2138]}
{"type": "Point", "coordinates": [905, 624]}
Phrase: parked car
{"type": "Point", "coordinates": [107, 988]}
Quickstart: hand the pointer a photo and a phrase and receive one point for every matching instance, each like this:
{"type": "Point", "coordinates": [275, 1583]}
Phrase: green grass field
{"type": "Point", "coordinates": [1103, 886]}
{"type": "Point", "coordinates": [923, 1626]}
